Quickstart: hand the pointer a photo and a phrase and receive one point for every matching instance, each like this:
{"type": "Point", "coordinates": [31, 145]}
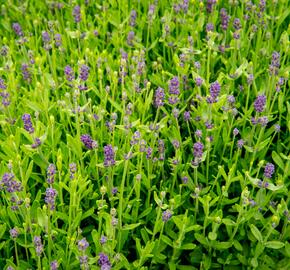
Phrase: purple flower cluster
{"type": "Point", "coordinates": [17, 29]}
{"type": "Point", "coordinates": [88, 142]}
{"type": "Point", "coordinates": [209, 5]}
{"type": "Point", "coordinates": [72, 170]}
{"type": "Point", "coordinates": [38, 245]}
{"type": "Point", "coordinates": [166, 215]}
{"type": "Point", "coordinates": [36, 143]}
{"type": "Point", "coordinates": [51, 171]}
{"type": "Point", "coordinates": [225, 18]}
{"type": "Point", "coordinates": [26, 118]}
{"type": "Point", "coordinates": [14, 233]}
{"type": "Point", "coordinates": [159, 97]}
{"type": "Point", "coordinates": [69, 73]}
{"type": "Point", "coordinates": [57, 39]}
{"type": "Point", "coordinates": [133, 16]}
{"type": "Point", "coordinates": [214, 92]}
{"type": "Point", "coordinates": [50, 196]}
{"type": "Point", "coordinates": [77, 14]}
{"type": "Point", "coordinates": [84, 72]}
{"type": "Point", "coordinates": [260, 103]}
{"type": "Point", "coordinates": [26, 72]}
{"type": "Point", "coordinates": [54, 265]}
{"type": "Point", "coordinates": [174, 86]}
{"type": "Point", "coordinates": [109, 155]}
{"type": "Point", "coordinates": [275, 63]}
{"type": "Point", "coordinates": [130, 38]}
{"type": "Point", "coordinates": [198, 149]}
{"type": "Point", "coordinates": [83, 244]}
{"type": "Point", "coordinates": [269, 170]}
{"type": "Point", "coordinates": [104, 261]}
{"type": "Point", "coordinates": [46, 40]}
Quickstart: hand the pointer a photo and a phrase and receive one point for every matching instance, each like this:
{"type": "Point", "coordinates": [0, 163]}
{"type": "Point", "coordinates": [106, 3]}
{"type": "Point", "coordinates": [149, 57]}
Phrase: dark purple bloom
{"type": "Point", "coordinates": [109, 155]}
{"type": "Point", "coordinates": [231, 99]}
{"type": "Point", "coordinates": [84, 261]}
{"type": "Point", "coordinates": [84, 72]}
{"type": "Point", "coordinates": [215, 89]}
{"type": "Point", "coordinates": [103, 239]}
{"type": "Point", "coordinates": [166, 215]}
{"type": "Point", "coordinates": [236, 131]}
{"type": "Point", "coordinates": [174, 86]}
{"type": "Point", "coordinates": [186, 116]}
{"type": "Point", "coordinates": [209, 5]}
{"type": "Point", "coordinates": [26, 118]}
{"type": "Point", "coordinates": [77, 14]}
{"type": "Point", "coordinates": [8, 181]}
{"type": "Point", "coordinates": [103, 259]}
{"type": "Point", "coordinates": [260, 103]}
{"type": "Point", "coordinates": [269, 170]}
{"type": "Point", "coordinates": [176, 144]}
{"type": "Point", "coordinates": [250, 79]}
{"type": "Point", "coordinates": [275, 63]}
{"type": "Point", "coordinates": [14, 233]}
{"type": "Point", "coordinates": [51, 171]}
{"type": "Point", "coordinates": [54, 265]}
{"type": "Point", "coordinates": [159, 97]}
{"type": "Point", "coordinates": [50, 196]}
{"type": "Point", "coordinates": [38, 245]}
{"type": "Point", "coordinates": [263, 121]}
{"type": "Point", "coordinates": [198, 133]}
{"type": "Point", "coordinates": [225, 18]}
{"type": "Point", "coordinates": [277, 128]}
{"type": "Point", "coordinates": [209, 27]}
{"type": "Point", "coordinates": [197, 64]}
{"type": "Point", "coordinates": [26, 72]}
{"type": "Point", "coordinates": [240, 143]}
{"type": "Point", "coordinates": [3, 85]}
{"type": "Point", "coordinates": [198, 149]}
{"type": "Point", "coordinates": [17, 29]}
{"type": "Point", "coordinates": [45, 37]}
{"type": "Point", "coordinates": [72, 170]}
{"type": "Point", "coordinates": [114, 190]}
{"type": "Point", "coordinates": [57, 39]}
{"type": "Point", "coordinates": [237, 24]}
{"type": "Point", "coordinates": [198, 81]}
{"type": "Point", "coordinates": [83, 244]}
{"type": "Point", "coordinates": [149, 153]}
{"type": "Point", "coordinates": [69, 73]}
{"type": "Point", "coordinates": [184, 179]}
{"type": "Point", "coordinates": [130, 38]}
{"type": "Point", "coordinates": [88, 141]}
{"type": "Point", "coordinates": [133, 16]}
{"type": "Point", "coordinates": [36, 143]}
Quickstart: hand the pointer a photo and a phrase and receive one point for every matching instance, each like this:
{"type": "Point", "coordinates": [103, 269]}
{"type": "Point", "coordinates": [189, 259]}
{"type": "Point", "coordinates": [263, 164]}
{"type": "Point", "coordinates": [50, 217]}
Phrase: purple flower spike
{"type": "Point", "coordinates": [109, 155]}
{"type": "Point", "coordinates": [174, 86]}
{"type": "Point", "coordinates": [166, 215]}
{"type": "Point", "coordinates": [38, 245]}
{"type": "Point", "coordinates": [17, 29]}
{"type": "Point", "coordinates": [88, 141]}
{"type": "Point", "coordinates": [50, 195]}
{"type": "Point", "coordinates": [26, 118]}
{"type": "Point", "coordinates": [69, 73]}
{"type": "Point", "coordinates": [77, 14]}
{"type": "Point", "coordinates": [159, 97]}
{"type": "Point", "coordinates": [260, 103]}
{"type": "Point", "coordinates": [198, 149]}
{"type": "Point", "coordinates": [84, 72]}
{"type": "Point", "coordinates": [269, 170]}
{"type": "Point", "coordinates": [83, 244]}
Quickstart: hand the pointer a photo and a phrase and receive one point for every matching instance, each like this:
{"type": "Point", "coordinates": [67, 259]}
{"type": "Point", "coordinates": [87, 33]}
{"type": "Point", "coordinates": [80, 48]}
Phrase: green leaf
{"type": "Point", "coordinates": [2, 229]}
{"type": "Point", "coordinates": [222, 245]}
{"type": "Point", "coordinates": [278, 160]}
{"type": "Point", "coordinates": [188, 246]}
{"type": "Point", "coordinates": [166, 240]}
{"type": "Point", "coordinates": [237, 245]}
{"type": "Point", "coordinates": [212, 236]}
{"type": "Point", "coordinates": [274, 244]}
{"type": "Point", "coordinates": [130, 226]}
{"type": "Point", "coordinates": [201, 239]}
{"type": "Point", "coordinates": [257, 234]}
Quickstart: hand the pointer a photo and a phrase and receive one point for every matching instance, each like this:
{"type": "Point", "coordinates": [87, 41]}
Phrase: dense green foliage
{"type": "Point", "coordinates": [144, 135]}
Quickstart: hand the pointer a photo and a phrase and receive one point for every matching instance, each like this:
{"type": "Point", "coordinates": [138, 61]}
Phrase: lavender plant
{"type": "Point", "coordinates": [144, 134]}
